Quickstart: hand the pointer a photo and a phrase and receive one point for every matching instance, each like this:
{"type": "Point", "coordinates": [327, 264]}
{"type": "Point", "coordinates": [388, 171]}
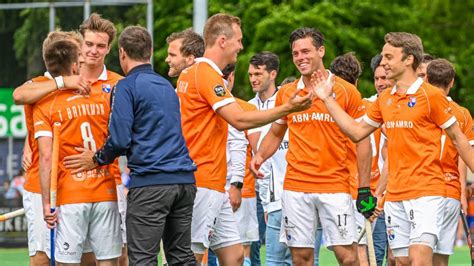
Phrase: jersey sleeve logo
{"type": "Point", "coordinates": [412, 102]}
{"type": "Point", "coordinates": [219, 90]}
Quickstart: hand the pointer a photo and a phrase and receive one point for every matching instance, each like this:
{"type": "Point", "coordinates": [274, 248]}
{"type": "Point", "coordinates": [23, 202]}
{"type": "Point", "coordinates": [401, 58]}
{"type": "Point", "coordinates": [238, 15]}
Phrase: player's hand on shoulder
{"type": "Point", "coordinates": [78, 83]}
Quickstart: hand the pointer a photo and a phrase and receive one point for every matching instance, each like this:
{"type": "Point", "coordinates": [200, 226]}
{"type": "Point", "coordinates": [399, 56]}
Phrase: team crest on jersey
{"type": "Point", "coordinates": [412, 102]}
{"type": "Point", "coordinates": [106, 88]}
{"type": "Point", "coordinates": [391, 234]}
{"type": "Point", "coordinates": [219, 90]}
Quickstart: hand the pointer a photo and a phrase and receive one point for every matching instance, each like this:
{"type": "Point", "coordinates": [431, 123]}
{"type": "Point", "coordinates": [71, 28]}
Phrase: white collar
{"type": "Point", "coordinates": [449, 99]}
{"type": "Point", "coordinates": [372, 98]}
{"type": "Point", "coordinates": [48, 75]}
{"type": "Point", "coordinates": [210, 62]}
{"type": "Point", "coordinates": [103, 75]}
{"type": "Point", "coordinates": [301, 85]}
{"type": "Point", "coordinates": [412, 89]}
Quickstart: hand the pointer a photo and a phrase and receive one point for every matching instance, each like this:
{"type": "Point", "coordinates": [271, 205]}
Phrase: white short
{"type": "Point", "coordinates": [300, 213]}
{"type": "Point", "coordinates": [38, 232]}
{"type": "Point", "coordinates": [122, 207]}
{"type": "Point", "coordinates": [447, 235]}
{"type": "Point", "coordinates": [213, 225]}
{"type": "Point", "coordinates": [360, 224]}
{"type": "Point", "coordinates": [246, 217]}
{"type": "Point", "coordinates": [97, 222]}
{"type": "Point", "coordinates": [409, 219]}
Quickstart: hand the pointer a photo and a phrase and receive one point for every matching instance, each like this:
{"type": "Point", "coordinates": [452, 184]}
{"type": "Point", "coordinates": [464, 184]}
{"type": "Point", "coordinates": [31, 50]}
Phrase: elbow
{"type": "Point", "coordinates": [45, 159]}
{"type": "Point", "coordinates": [239, 124]}
{"type": "Point", "coordinates": [355, 139]}
{"type": "Point", "coordinates": [18, 98]}
{"type": "Point", "coordinates": [240, 127]}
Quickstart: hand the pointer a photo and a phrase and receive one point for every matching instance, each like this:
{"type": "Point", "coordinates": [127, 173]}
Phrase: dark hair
{"type": "Point", "coordinates": [304, 32]}
{"type": "Point", "coordinates": [410, 44]}
{"type": "Point", "coordinates": [440, 72]}
{"type": "Point", "coordinates": [59, 57]}
{"type": "Point", "coordinates": [267, 59]}
{"type": "Point", "coordinates": [347, 67]}
{"type": "Point", "coordinates": [96, 23]}
{"type": "Point", "coordinates": [375, 62]}
{"type": "Point", "coordinates": [427, 58]}
{"type": "Point", "coordinates": [136, 41]}
{"type": "Point", "coordinates": [192, 44]}
{"type": "Point", "coordinates": [227, 70]}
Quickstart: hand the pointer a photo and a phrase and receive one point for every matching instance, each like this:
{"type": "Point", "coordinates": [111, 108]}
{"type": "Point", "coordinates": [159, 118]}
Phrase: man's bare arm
{"type": "Point", "coordinates": [382, 184]}
{"type": "Point", "coordinates": [364, 162]}
{"type": "Point", "coordinates": [243, 120]}
{"type": "Point", "coordinates": [45, 146]}
{"type": "Point", "coordinates": [356, 131]}
{"type": "Point", "coordinates": [466, 152]}
{"type": "Point", "coordinates": [26, 158]}
{"type": "Point", "coordinates": [31, 92]}
{"type": "Point", "coordinates": [268, 147]}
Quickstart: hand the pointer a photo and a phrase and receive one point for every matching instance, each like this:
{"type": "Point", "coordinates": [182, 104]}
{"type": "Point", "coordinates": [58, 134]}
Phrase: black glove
{"type": "Point", "coordinates": [366, 203]}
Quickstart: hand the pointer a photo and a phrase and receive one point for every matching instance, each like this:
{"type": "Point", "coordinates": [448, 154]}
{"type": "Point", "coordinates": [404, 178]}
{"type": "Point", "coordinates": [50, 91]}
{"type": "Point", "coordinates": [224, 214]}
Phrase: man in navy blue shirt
{"type": "Point", "coordinates": [145, 125]}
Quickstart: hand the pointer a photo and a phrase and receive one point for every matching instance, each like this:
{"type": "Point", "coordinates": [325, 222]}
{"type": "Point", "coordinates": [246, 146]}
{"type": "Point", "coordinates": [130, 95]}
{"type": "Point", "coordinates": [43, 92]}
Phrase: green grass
{"type": "Point", "coordinates": [19, 257]}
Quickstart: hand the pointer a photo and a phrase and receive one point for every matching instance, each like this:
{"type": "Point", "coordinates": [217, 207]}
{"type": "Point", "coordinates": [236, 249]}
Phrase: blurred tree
{"type": "Point", "coordinates": [359, 26]}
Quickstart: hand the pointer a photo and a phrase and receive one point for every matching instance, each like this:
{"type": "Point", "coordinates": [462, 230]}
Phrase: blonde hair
{"type": "Point", "coordinates": [96, 23]}
{"type": "Point", "coordinates": [217, 25]}
{"type": "Point", "coordinates": [59, 35]}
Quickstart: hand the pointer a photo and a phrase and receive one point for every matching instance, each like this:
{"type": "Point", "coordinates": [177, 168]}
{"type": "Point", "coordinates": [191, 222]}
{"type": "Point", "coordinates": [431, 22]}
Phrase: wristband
{"type": "Point", "coordinates": [59, 82]}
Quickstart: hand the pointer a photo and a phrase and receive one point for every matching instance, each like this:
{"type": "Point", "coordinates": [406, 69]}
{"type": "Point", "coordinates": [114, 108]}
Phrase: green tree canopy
{"type": "Point", "coordinates": [359, 26]}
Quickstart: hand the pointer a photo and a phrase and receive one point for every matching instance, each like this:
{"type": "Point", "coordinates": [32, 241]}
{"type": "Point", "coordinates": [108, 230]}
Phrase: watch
{"type": "Point", "coordinates": [237, 184]}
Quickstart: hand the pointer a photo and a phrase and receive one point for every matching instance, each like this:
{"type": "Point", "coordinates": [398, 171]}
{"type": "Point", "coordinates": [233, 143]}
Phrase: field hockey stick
{"type": "Point", "coordinates": [370, 243]}
{"type": "Point", "coordinates": [12, 214]}
{"type": "Point", "coordinates": [468, 234]}
{"type": "Point", "coordinates": [54, 182]}
{"type": "Point", "coordinates": [373, 218]}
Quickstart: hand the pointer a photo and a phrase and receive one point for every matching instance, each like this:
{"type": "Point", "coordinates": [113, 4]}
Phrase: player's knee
{"type": "Point", "coordinates": [40, 258]}
{"type": "Point", "coordinates": [301, 257]}
{"type": "Point", "coordinates": [349, 259]}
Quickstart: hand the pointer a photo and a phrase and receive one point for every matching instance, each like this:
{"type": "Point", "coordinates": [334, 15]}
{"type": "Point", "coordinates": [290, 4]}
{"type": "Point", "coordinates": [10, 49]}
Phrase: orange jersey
{"type": "Point", "coordinates": [450, 157]}
{"type": "Point", "coordinates": [32, 178]}
{"type": "Point", "coordinates": [84, 121]}
{"type": "Point", "coordinates": [317, 155]}
{"type": "Point", "coordinates": [202, 91]}
{"type": "Point", "coordinates": [413, 124]}
{"type": "Point", "coordinates": [106, 82]}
